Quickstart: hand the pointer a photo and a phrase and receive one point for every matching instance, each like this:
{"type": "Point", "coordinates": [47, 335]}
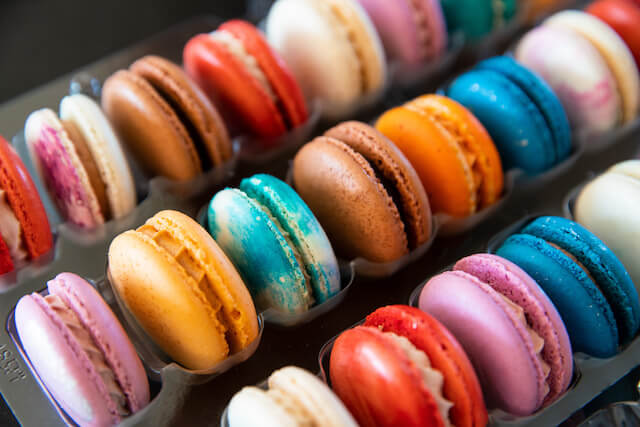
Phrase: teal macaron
{"type": "Point", "coordinates": [523, 115]}
{"type": "Point", "coordinates": [584, 279]}
{"type": "Point", "coordinates": [276, 243]}
{"type": "Point", "coordinates": [477, 18]}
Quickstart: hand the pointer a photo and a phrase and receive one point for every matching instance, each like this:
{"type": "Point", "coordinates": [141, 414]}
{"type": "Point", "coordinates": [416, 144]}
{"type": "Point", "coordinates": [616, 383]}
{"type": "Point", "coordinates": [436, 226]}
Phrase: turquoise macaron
{"type": "Point", "coordinates": [477, 18]}
{"type": "Point", "coordinates": [584, 279]}
{"type": "Point", "coordinates": [523, 115]}
{"type": "Point", "coordinates": [276, 243]}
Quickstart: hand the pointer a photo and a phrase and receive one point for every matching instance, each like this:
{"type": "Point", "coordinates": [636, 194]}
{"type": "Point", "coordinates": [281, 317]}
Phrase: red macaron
{"type": "Point", "coordinates": [379, 371]}
{"type": "Point", "coordinates": [26, 230]}
{"type": "Point", "coordinates": [624, 17]}
{"type": "Point", "coordinates": [242, 74]}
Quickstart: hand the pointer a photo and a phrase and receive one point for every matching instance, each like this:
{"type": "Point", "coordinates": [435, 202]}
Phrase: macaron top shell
{"type": "Point", "coordinates": [25, 202]}
{"type": "Point", "coordinates": [183, 290]}
{"type": "Point", "coordinates": [577, 73]}
{"type": "Point", "coordinates": [85, 359]}
{"type": "Point", "coordinates": [347, 44]}
{"type": "Point", "coordinates": [622, 16]}
{"type": "Point", "coordinates": [461, 385]}
{"type": "Point", "coordinates": [614, 51]}
{"type": "Point", "coordinates": [105, 149]}
{"type": "Point", "coordinates": [511, 281]}
{"type": "Point", "coordinates": [61, 165]}
{"type": "Point", "coordinates": [606, 206]}
{"type": "Point", "coordinates": [412, 31]}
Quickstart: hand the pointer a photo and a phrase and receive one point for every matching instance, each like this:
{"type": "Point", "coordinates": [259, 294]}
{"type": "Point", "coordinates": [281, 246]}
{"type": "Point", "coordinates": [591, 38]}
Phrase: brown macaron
{"type": "Point", "coordinates": [165, 120]}
{"type": "Point", "coordinates": [364, 192]}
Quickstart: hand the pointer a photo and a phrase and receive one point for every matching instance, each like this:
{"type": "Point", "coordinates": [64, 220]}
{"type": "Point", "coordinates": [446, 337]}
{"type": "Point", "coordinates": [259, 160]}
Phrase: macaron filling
{"type": "Point", "coordinates": [11, 230]}
{"type": "Point", "coordinates": [80, 339]}
{"type": "Point", "coordinates": [308, 293]}
{"type": "Point", "coordinates": [433, 380]}
{"type": "Point", "coordinates": [425, 41]}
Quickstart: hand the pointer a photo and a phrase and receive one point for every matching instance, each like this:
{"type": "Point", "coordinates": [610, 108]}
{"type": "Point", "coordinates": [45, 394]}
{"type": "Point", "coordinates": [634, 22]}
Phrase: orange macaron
{"type": "Point", "coordinates": [453, 154]}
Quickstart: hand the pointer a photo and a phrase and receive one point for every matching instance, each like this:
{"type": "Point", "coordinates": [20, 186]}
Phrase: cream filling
{"type": "Point", "coordinates": [537, 340]}
{"type": "Point", "coordinates": [422, 26]}
{"type": "Point", "coordinates": [236, 48]}
{"type": "Point", "coordinates": [498, 13]}
{"type": "Point", "coordinates": [292, 407]}
{"type": "Point", "coordinates": [82, 336]}
{"type": "Point", "coordinates": [432, 379]}
{"type": "Point", "coordinates": [11, 230]}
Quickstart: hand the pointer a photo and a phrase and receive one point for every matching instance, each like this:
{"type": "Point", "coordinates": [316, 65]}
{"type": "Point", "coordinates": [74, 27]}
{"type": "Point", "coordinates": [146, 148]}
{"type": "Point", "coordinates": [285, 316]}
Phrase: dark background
{"type": "Point", "coordinates": [43, 39]}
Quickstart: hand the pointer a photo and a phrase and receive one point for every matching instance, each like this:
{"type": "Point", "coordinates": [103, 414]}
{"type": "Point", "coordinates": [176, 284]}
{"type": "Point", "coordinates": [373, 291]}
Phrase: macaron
{"type": "Point", "coordinates": [276, 243]}
{"type": "Point", "coordinates": [364, 192]}
{"type": "Point", "coordinates": [25, 233]}
{"type": "Point", "coordinates": [79, 158]}
{"type": "Point", "coordinates": [402, 367]}
{"type": "Point", "coordinates": [183, 290]}
{"type": "Point", "coordinates": [585, 280]}
{"type": "Point", "coordinates": [477, 18]}
{"type": "Point", "coordinates": [508, 327]}
{"type": "Point", "coordinates": [412, 32]}
{"type": "Point", "coordinates": [81, 353]}
{"type": "Point", "coordinates": [607, 205]}
{"type": "Point", "coordinates": [623, 17]}
{"type": "Point", "coordinates": [294, 397]}
{"type": "Point", "coordinates": [165, 120]}
{"type": "Point", "coordinates": [522, 114]}
{"type": "Point", "coordinates": [239, 71]}
{"type": "Point", "coordinates": [588, 66]}
{"type": "Point", "coordinates": [332, 48]}
{"type": "Point", "coordinates": [451, 151]}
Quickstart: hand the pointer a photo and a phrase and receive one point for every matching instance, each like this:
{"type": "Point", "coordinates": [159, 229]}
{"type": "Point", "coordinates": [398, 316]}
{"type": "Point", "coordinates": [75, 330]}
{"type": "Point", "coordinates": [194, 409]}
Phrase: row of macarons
{"type": "Point", "coordinates": [515, 317]}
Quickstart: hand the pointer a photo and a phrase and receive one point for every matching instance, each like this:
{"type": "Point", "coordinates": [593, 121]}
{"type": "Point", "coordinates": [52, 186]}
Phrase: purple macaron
{"type": "Point", "coordinates": [81, 353]}
{"type": "Point", "coordinates": [511, 331]}
{"type": "Point", "coordinates": [412, 31]}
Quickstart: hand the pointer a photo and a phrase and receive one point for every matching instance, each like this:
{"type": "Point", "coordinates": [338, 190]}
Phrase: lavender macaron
{"type": "Point", "coordinates": [508, 327]}
{"type": "Point", "coordinates": [81, 353]}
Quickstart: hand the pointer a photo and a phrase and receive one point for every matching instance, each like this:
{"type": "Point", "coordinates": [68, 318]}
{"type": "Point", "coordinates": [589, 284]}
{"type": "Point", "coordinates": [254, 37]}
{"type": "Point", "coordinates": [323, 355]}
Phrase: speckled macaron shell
{"type": "Point", "coordinates": [607, 271]}
{"type": "Point", "coordinates": [295, 217]}
{"type": "Point", "coordinates": [412, 31]}
{"type": "Point", "coordinates": [614, 51]}
{"type": "Point", "coordinates": [58, 163]}
{"type": "Point", "coordinates": [511, 373]}
{"type": "Point", "coordinates": [588, 317]}
{"type": "Point", "coordinates": [512, 282]}
{"type": "Point", "coordinates": [577, 73]}
{"type": "Point", "coordinates": [354, 207]}
{"type": "Point", "coordinates": [514, 121]}
{"type": "Point", "coordinates": [255, 240]}
{"type": "Point", "coordinates": [105, 149]}
{"type": "Point", "coordinates": [540, 92]}
{"type": "Point", "coordinates": [345, 40]}
{"type": "Point", "coordinates": [607, 207]}
{"type": "Point", "coordinates": [57, 356]}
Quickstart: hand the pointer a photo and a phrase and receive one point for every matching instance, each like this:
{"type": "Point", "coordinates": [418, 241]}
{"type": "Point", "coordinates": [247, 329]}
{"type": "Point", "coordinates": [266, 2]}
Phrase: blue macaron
{"type": "Point", "coordinates": [276, 243]}
{"type": "Point", "coordinates": [586, 282]}
{"type": "Point", "coordinates": [524, 117]}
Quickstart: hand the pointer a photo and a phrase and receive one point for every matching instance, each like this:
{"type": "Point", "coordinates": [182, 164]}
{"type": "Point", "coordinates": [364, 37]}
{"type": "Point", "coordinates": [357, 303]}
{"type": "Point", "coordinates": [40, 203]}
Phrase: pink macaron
{"type": "Point", "coordinates": [508, 327]}
{"type": "Point", "coordinates": [412, 31]}
{"type": "Point", "coordinates": [81, 353]}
